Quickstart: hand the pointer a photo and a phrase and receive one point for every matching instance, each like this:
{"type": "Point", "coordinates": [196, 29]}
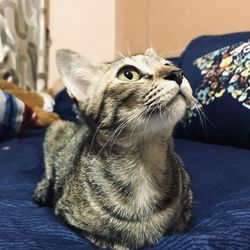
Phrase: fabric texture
{"type": "Point", "coordinates": [24, 43]}
{"type": "Point", "coordinates": [65, 106]}
{"type": "Point", "coordinates": [15, 115]}
{"type": "Point", "coordinates": [218, 68]}
{"type": "Point", "coordinates": [220, 179]}
{"type": "Point", "coordinates": [221, 218]}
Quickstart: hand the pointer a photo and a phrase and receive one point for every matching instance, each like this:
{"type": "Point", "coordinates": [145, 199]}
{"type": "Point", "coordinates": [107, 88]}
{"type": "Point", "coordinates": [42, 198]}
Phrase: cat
{"type": "Point", "coordinates": [115, 175]}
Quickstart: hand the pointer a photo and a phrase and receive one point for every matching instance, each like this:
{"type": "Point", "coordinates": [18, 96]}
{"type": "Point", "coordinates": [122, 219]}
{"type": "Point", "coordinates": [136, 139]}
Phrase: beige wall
{"type": "Point", "coordinates": [98, 28]}
{"type": "Point", "coordinates": [86, 26]}
{"type": "Point", "coordinates": [168, 25]}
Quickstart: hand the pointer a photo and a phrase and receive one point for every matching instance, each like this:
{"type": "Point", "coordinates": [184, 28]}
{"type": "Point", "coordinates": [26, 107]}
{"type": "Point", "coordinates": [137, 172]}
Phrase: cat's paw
{"type": "Point", "coordinates": [41, 194]}
{"type": "Point", "coordinates": [119, 247]}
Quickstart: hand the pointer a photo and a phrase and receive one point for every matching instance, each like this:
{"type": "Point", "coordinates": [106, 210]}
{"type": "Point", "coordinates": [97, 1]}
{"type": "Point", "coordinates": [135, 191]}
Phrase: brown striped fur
{"type": "Point", "coordinates": [115, 175]}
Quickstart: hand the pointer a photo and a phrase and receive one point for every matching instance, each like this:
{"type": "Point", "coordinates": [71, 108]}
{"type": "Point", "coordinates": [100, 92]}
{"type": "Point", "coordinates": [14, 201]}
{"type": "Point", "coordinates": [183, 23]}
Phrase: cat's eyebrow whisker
{"type": "Point", "coordinates": [128, 49]}
{"type": "Point", "coordinates": [161, 48]}
{"type": "Point", "coordinates": [119, 53]}
{"type": "Point", "coordinates": [170, 52]}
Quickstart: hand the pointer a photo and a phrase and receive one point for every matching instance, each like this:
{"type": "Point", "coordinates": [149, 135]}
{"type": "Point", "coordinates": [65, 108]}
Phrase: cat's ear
{"type": "Point", "coordinates": [150, 52]}
{"type": "Point", "coordinates": [77, 73]}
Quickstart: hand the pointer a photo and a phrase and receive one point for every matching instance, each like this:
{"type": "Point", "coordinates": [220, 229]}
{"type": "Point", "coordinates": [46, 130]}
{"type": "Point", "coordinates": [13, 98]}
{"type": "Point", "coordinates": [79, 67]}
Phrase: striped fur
{"type": "Point", "coordinates": [115, 175]}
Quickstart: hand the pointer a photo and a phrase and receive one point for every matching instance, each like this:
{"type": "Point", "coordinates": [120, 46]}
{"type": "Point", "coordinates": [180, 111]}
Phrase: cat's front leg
{"type": "Point", "coordinates": [119, 247]}
{"type": "Point", "coordinates": [42, 193]}
{"type": "Point", "coordinates": [107, 245]}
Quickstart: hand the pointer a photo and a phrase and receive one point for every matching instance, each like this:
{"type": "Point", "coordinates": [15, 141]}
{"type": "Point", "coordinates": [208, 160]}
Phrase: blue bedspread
{"type": "Point", "coordinates": [221, 178]}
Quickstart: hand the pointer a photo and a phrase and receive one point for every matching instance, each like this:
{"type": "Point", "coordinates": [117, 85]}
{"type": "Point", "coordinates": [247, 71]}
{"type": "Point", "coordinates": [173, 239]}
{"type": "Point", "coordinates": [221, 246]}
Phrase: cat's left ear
{"type": "Point", "coordinates": [78, 74]}
{"type": "Point", "coordinates": [150, 52]}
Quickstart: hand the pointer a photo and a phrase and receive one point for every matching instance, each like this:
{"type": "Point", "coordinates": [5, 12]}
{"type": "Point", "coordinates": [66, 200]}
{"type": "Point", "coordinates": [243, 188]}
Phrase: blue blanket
{"type": "Point", "coordinates": [221, 219]}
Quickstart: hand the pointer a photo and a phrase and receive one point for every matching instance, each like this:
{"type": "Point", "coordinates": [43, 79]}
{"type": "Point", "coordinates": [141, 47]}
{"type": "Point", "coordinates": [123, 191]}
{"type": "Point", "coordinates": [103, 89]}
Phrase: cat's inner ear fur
{"type": "Point", "coordinates": [78, 74]}
{"type": "Point", "coordinates": [150, 52]}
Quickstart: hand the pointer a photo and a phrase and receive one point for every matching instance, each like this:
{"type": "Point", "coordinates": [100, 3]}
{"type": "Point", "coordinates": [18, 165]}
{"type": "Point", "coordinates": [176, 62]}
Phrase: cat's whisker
{"type": "Point", "coordinates": [202, 116]}
{"type": "Point", "coordinates": [129, 51]}
{"type": "Point", "coordinates": [110, 138]}
{"type": "Point", "coordinates": [148, 118]}
{"type": "Point", "coordinates": [146, 125]}
{"type": "Point", "coordinates": [117, 130]}
{"type": "Point", "coordinates": [129, 121]}
{"type": "Point", "coordinates": [203, 122]}
{"type": "Point", "coordinates": [198, 107]}
{"type": "Point", "coordinates": [94, 136]}
{"type": "Point", "coordinates": [160, 48]}
{"type": "Point", "coordinates": [113, 136]}
{"type": "Point", "coordinates": [160, 111]}
{"type": "Point", "coordinates": [137, 117]}
{"type": "Point", "coordinates": [139, 121]}
{"type": "Point", "coordinates": [170, 52]}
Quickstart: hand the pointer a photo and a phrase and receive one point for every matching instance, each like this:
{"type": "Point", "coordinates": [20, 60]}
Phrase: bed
{"type": "Point", "coordinates": [218, 161]}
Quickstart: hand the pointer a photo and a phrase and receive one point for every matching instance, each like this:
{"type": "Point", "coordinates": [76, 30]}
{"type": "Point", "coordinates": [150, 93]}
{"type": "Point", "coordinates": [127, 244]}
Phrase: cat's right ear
{"type": "Point", "coordinates": [77, 73]}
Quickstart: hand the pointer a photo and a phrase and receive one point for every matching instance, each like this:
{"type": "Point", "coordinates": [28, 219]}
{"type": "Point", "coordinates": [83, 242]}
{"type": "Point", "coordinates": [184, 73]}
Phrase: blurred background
{"type": "Point", "coordinates": [101, 30]}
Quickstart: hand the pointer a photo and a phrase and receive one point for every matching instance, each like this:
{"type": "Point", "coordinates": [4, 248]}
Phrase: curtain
{"type": "Point", "coordinates": [24, 43]}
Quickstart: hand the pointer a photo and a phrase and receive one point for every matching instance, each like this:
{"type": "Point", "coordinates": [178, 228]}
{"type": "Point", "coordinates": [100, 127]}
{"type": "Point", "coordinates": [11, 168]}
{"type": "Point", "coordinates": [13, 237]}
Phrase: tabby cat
{"type": "Point", "coordinates": [114, 175]}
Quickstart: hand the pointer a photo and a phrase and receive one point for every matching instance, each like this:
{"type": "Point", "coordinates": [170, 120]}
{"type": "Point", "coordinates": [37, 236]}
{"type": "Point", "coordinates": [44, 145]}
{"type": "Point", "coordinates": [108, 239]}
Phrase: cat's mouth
{"type": "Point", "coordinates": [159, 109]}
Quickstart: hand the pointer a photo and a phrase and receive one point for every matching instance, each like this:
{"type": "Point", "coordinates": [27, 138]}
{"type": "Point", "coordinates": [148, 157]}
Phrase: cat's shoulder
{"type": "Point", "coordinates": [60, 132]}
{"type": "Point", "coordinates": [61, 128]}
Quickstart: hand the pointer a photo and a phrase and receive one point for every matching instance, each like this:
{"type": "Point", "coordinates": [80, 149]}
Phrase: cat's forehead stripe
{"type": "Point", "coordinates": [141, 63]}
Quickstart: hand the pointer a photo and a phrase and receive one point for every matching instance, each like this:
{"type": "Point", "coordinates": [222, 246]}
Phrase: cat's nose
{"type": "Point", "coordinates": [174, 74]}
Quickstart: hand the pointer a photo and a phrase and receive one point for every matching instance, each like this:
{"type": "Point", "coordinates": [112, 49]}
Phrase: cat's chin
{"type": "Point", "coordinates": [166, 117]}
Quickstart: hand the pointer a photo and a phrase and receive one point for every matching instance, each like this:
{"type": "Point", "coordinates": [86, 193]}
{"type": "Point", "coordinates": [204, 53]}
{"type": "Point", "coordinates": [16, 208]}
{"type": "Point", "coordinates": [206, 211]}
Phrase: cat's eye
{"type": "Point", "coordinates": [129, 74]}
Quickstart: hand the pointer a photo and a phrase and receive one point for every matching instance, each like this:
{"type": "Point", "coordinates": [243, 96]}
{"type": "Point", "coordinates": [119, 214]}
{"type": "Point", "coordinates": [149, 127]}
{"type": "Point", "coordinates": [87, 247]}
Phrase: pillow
{"type": "Point", "coordinates": [14, 115]}
{"type": "Point", "coordinates": [65, 106]}
{"type": "Point", "coordinates": [218, 68]}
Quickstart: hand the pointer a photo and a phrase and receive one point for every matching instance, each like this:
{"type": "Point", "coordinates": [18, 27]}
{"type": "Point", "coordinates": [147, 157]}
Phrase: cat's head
{"type": "Point", "coordinates": [144, 93]}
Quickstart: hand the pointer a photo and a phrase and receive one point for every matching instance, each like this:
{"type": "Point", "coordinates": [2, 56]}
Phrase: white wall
{"type": "Point", "coordinates": [86, 26]}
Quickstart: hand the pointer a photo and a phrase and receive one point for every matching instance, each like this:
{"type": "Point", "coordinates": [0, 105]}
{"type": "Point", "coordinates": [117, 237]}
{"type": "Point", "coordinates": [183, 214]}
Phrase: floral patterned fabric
{"type": "Point", "coordinates": [225, 71]}
{"type": "Point", "coordinates": [218, 68]}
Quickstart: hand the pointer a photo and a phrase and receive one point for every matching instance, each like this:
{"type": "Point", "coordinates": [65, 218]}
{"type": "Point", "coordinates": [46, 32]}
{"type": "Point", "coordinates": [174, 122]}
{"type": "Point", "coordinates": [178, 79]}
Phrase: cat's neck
{"type": "Point", "coordinates": [148, 147]}
{"type": "Point", "coordinates": [142, 164]}
{"type": "Point", "coordinates": [152, 149]}
{"type": "Point", "coordinates": [139, 166]}
{"type": "Point", "coordinates": [147, 153]}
